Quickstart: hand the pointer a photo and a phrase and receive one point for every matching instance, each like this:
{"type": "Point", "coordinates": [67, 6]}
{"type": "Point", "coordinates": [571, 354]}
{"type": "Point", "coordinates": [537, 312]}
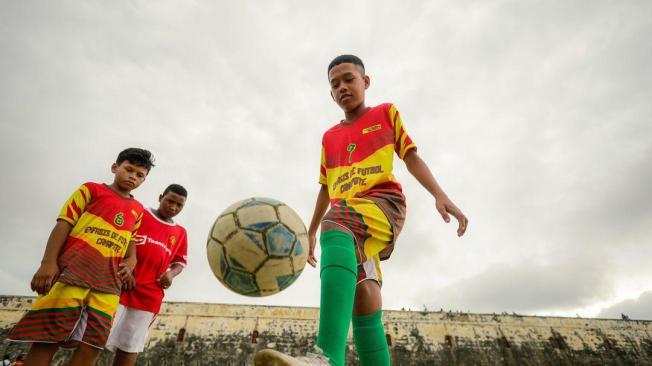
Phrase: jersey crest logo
{"type": "Point", "coordinates": [371, 129]}
{"type": "Point", "coordinates": [350, 149]}
{"type": "Point", "coordinates": [173, 241]}
{"type": "Point", "coordinates": [119, 220]}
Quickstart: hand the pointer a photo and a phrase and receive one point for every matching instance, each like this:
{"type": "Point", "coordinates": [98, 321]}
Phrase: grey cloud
{"type": "Point", "coordinates": [640, 308]}
{"type": "Point", "coordinates": [524, 288]}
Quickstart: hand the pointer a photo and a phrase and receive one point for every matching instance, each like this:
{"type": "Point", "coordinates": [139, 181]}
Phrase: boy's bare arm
{"type": "Point", "coordinates": [419, 169]}
{"type": "Point", "coordinates": [320, 209]}
{"type": "Point", "coordinates": [127, 267]}
{"type": "Point", "coordinates": [48, 272]}
{"type": "Point", "coordinates": [130, 254]}
{"type": "Point", "coordinates": [166, 278]}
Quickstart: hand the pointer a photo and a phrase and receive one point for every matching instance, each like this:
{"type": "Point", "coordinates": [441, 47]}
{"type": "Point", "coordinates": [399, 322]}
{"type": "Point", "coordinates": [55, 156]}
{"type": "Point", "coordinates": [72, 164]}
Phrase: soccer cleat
{"type": "Point", "coordinates": [269, 357]}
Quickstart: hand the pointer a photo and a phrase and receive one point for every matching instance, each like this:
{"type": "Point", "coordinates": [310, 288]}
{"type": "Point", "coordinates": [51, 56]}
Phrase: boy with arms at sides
{"type": "Point", "coordinates": [367, 212]}
{"type": "Point", "coordinates": [88, 254]}
{"type": "Point", "coordinates": [161, 247]}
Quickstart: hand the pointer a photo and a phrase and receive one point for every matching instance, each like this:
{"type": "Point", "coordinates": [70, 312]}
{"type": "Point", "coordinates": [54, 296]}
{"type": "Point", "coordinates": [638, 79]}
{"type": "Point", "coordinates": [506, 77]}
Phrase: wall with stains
{"type": "Point", "coordinates": [220, 334]}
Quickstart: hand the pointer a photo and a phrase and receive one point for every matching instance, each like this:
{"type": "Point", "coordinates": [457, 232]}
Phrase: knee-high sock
{"type": "Point", "coordinates": [339, 273]}
{"type": "Point", "coordinates": [370, 341]}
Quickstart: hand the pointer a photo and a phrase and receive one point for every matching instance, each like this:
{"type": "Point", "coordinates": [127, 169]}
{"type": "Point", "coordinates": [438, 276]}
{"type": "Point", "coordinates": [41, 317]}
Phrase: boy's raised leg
{"type": "Point", "coordinates": [338, 278]}
{"type": "Point", "coordinates": [368, 329]}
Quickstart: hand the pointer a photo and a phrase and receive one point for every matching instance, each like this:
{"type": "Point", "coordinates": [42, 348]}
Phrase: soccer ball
{"type": "Point", "coordinates": [257, 246]}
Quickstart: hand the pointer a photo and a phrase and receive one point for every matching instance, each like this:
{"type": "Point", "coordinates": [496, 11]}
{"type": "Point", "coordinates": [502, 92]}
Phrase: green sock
{"type": "Point", "coordinates": [370, 341]}
{"type": "Point", "coordinates": [339, 271]}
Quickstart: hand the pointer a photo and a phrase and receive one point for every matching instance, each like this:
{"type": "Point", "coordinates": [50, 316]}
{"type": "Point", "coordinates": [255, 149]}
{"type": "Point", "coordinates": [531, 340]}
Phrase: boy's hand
{"type": "Point", "coordinates": [312, 241]}
{"type": "Point", "coordinates": [165, 280]}
{"type": "Point", "coordinates": [45, 277]}
{"type": "Point", "coordinates": [129, 283]}
{"type": "Point", "coordinates": [445, 207]}
{"type": "Point", "coordinates": [126, 268]}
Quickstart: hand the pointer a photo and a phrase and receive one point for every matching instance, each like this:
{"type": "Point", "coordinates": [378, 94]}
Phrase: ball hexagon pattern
{"type": "Point", "coordinates": [257, 246]}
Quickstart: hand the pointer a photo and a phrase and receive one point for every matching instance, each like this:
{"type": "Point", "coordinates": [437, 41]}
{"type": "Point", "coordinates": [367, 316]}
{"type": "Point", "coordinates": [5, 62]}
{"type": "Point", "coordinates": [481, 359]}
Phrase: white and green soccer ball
{"type": "Point", "coordinates": [257, 246]}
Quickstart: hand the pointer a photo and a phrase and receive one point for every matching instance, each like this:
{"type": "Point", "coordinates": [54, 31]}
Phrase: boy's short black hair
{"type": "Point", "coordinates": [136, 156]}
{"type": "Point", "coordinates": [344, 59]}
{"type": "Point", "coordinates": [176, 188]}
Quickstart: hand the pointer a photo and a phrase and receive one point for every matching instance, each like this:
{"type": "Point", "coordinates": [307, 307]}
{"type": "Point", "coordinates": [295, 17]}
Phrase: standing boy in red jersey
{"type": "Point", "coordinates": [82, 270]}
{"type": "Point", "coordinates": [161, 247]}
{"type": "Point", "coordinates": [367, 211]}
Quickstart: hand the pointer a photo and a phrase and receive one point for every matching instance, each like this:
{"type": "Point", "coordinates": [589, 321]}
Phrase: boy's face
{"type": "Point", "coordinates": [170, 204]}
{"type": "Point", "coordinates": [348, 85]}
{"type": "Point", "coordinates": [128, 176]}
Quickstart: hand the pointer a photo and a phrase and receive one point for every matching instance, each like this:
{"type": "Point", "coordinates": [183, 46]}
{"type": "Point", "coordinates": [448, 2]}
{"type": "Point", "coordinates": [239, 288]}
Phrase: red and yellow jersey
{"type": "Point", "coordinates": [104, 224]}
{"type": "Point", "coordinates": [359, 156]}
{"type": "Point", "coordinates": [159, 244]}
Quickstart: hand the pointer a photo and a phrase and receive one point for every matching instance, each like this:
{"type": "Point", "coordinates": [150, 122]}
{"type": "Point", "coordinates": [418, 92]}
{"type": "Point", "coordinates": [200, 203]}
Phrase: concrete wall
{"type": "Point", "coordinates": [219, 334]}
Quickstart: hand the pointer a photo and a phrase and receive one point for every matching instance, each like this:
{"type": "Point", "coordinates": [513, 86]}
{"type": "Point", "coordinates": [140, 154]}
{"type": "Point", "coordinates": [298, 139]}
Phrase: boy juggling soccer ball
{"type": "Point", "coordinates": [161, 247]}
{"type": "Point", "coordinates": [367, 211]}
{"type": "Point", "coordinates": [88, 255]}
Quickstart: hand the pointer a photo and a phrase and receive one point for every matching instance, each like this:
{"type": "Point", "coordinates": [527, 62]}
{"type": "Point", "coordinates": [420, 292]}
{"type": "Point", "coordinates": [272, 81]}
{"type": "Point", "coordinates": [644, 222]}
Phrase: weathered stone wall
{"type": "Point", "coordinates": [219, 334]}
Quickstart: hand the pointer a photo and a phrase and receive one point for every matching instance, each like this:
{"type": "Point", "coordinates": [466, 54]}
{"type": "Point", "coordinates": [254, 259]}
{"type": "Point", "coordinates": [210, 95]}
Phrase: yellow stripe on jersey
{"type": "Point", "coordinates": [361, 175]}
{"type": "Point", "coordinates": [405, 147]}
{"type": "Point", "coordinates": [322, 172]}
{"type": "Point", "coordinates": [137, 224]}
{"type": "Point", "coordinates": [402, 141]}
{"type": "Point", "coordinates": [101, 235]}
{"type": "Point", "coordinates": [75, 205]}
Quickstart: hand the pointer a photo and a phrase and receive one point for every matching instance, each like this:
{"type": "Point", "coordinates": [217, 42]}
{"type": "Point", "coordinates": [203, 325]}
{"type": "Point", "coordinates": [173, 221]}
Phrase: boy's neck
{"type": "Point", "coordinates": [157, 212]}
{"type": "Point", "coordinates": [353, 115]}
{"type": "Point", "coordinates": [114, 187]}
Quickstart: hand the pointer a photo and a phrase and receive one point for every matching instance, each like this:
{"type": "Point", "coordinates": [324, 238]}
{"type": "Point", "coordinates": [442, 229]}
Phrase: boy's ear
{"type": "Point", "coordinates": [332, 96]}
{"type": "Point", "coordinates": [367, 81]}
{"type": "Point", "coordinates": [160, 197]}
{"type": "Point", "coordinates": [114, 166]}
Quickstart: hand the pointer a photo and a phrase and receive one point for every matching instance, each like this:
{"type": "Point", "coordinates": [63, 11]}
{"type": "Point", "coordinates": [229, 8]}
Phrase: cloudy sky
{"type": "Point", "coordinates": [534, 116]}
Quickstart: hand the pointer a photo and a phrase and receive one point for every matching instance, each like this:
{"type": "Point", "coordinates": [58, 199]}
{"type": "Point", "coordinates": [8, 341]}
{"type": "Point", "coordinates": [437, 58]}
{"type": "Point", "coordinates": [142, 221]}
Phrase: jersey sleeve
{"type": "Point", "coordinates": [402, 141]}
{"type": "Point", "coordinates": [76, 205]}
{"type": "Point", "coordinates": [322, 168]}
{"type": "Point", "coordinates": [137, 224]}
{"type": "Point", "coordinates": [181, 255]}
